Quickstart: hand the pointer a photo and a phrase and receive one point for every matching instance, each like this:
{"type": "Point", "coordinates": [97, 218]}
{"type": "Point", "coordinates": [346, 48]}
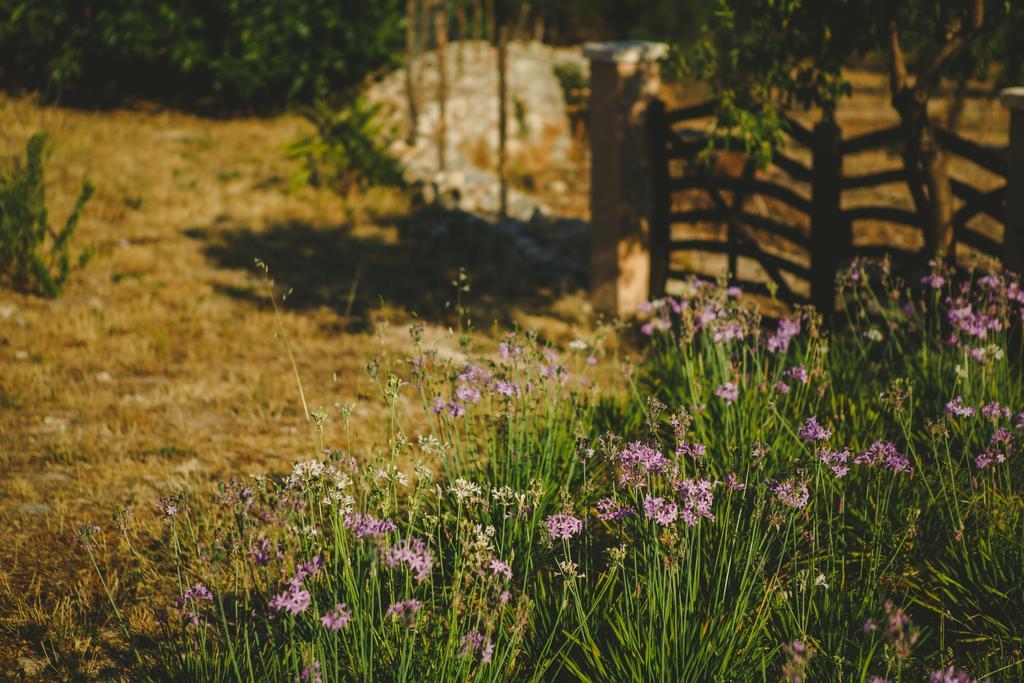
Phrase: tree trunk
{"type": "Point", "coordinates": [411, 40]}
{"type": "Point", "coordinates": [441, 38]}
{"type": "Point", "coordinates": [461, 34]}
{"type": "Point", "coordinates": [927, 173]}
{"type": "Point", "coordinates": [489, 19]}
{"type": "Point", "coordinates": [503, 121]}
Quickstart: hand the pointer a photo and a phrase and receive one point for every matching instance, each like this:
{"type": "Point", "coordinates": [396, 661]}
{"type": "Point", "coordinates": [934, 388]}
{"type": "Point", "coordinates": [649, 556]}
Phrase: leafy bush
{"type": "Point", "coordinates": [34, 256]}
{"type": "Point", "coordinates": [813, 506]}
{"type": "Point", "coordinates": [242, 52]}
{"type": "Point", "coordinates": [349, 148]}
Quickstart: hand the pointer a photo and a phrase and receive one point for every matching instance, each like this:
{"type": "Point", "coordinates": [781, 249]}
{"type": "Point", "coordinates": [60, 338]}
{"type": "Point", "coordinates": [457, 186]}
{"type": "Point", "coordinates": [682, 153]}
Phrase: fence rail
{"type": "Point", "coordinates": [784, 184]}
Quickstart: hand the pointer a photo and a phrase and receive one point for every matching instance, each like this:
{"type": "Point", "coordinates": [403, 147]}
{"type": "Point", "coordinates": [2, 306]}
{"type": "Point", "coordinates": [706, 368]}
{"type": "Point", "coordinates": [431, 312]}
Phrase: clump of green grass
{"type": "Point", "coordinates": [33, 255]}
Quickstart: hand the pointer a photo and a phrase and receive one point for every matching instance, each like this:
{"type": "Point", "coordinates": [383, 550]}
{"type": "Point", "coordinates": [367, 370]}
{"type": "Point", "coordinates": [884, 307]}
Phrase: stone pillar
{"type": "Point", "coordinates": [624, 77]}
{"type": "Point", "coordinates": [1013, 237]}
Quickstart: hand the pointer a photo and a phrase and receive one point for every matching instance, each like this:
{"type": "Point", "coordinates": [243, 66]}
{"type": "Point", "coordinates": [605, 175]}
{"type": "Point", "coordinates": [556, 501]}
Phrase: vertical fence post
{"type": "Point", "coordinates": [657, 158]}
{"type": "Point", "coordinates": [624, 77]}
{"type": "Point", "coordinates": [503, 121]}
{"type": "Point", "coordinates": [830, 234]}
{"type": "Point", "coordinates": [1013, 235]}
{"type": "Point", "coordinates": [441, 38]}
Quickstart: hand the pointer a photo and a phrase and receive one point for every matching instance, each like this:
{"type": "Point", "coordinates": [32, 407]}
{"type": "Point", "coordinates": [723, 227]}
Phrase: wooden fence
{"type": "Point", "coordinates": [806, 233]}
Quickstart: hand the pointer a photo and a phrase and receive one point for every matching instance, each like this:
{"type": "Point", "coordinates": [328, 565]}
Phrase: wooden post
{"type": "Point", "coordinates": [661, 198]}
{"type": "Point", "coordinates": [503, 121]}
{"type": "Point", "coordinates": [624, 78]}
{"type": "Point", "coordinates": [441, 38]}
{"type": "Point", "coordinates": [462, 35]}
{"type": "Point", "coordinates": [1013, 235]}
{"type": "Point", "coordinates": [411, 40]}
{"type": "Point", "coordinates": [830, 234]}
{"type": "Point", "coordinates": [490, 20]}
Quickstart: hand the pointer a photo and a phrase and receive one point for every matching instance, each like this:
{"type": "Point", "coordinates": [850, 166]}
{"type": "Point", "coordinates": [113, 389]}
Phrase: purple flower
{"type": "Point", "coordinates": [455, 409]}
{"type": "Point", "coordinates": [728, 331]}
{"type": "Point", "coordinates": [951, 675]}
{"type": "Point", "coordinates": [304, 570]}
{"type": "Point", "coordinates": [197, 593]}
{"type": "Point", "coordinates": [170, 506]}
{"type": "Point", "coordinates": [733, 483]}
{"type": "Point", "coordinates": [414, 554]}
{"type": "Point", "coordinates": [474, 374]}
{"type": "Point", "coordinates": [506, 388]}
{"type": "Point", "coordinates": [295, 601]}
{"type": "Point", "coordinates": [957, 407]}
{"type": "Point", "coordinates": [988, 457]}
{"type": "Point", "coordinates": [792, 492]}
{"type": "Point", "coordinates": [728, 392]}
{"type": "Point", "coordinates": [501, 568]}
{"type": "Point", "coordinates": [564, 526]}
{"type": "Point", "coordinates": [638, 460]}
{"type": "Point", "coordinates": [787, 329]}
{"type": "Point", "coordinates": [934, 281]}
{"type": "Point", "coordinates": [467, 394]}
{"type": "Point", "coordinates": [692, 450]}
{"type": "Point", "coordinates": [798, 373]}
{"type": "Point", "coordinates": [475, 641]}
{"type": "Point", "coordinates": [609, 510]}
{"type": "Point", "coordinates": [707, 315]}
{"type": "Point", "coordinates": [405, 610]}
{"type": "Point", "coordinates": [966, 320]}
{"type": "Point", "coordinates": [311, 673]}
{"type": "Point", "coordinates": [368, 525]}
{"type": "Point", "coordinates": [438, 406]}
{"type": "Point", "coordinates": [698, 496]}
{"type": "Point", "coordinates": [837, 461]}
{"type": "Point", "coordinates": [660, 511]}
{"type": "Point", "coordinates": [1001, 436]}
{"type": "Point", "coordinates": [812, 431]}
{"type": "Point", "coordinates": [884, 453]}
{"type": "Point", "coordinates": [261, 551]}
{"type": "Point", "coordinates": [337, 618]}
{"type": "Point", "coordinates": [782, 387]}
{"type": "Point", "coordinates": [994, 411]}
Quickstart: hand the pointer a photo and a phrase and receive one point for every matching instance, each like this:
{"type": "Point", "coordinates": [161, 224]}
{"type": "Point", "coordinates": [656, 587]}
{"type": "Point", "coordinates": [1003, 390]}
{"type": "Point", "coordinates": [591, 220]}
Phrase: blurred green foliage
{"type": "Point", "coordinates": [256, 53]}
{"type": "Point", "coordinates": [348, 149]}
{"type": "Point", "coordinates": [761, 57]}
{"type": "Point", "coordinates": [34, 256]}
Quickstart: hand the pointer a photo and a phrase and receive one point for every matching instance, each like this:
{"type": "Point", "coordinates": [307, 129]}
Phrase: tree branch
{"type": "Point", "coordinates": [897, 62]}
{"type": "Point", "coordinates": [962, 33]}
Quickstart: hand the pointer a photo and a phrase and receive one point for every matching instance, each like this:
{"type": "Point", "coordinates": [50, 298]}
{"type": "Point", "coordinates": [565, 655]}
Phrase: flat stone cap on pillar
{"type": "Point", "coordinates": [1012, 98]}
{"type": "Point", "coordinates": [625, 51]}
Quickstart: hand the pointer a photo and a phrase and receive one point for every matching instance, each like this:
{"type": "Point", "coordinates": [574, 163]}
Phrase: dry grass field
{"type": "Point", "coordinates": [162, 366]}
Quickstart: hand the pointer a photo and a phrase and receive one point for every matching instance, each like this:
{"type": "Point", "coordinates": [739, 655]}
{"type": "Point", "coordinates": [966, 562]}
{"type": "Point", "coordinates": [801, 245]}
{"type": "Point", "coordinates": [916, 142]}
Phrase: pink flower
{"type": "Point", "coordinates": [728, 392]}
{"type": "Point", "coordinates": [337, 618]}
{"type": "Point", "coordinates": [564, 526]}
{"type": "Point", "coordinates": [660, 511]}
{"type": "Point", "coordinates": [812, 431]}
{"type": "Point", "coordinates": [414, 554]}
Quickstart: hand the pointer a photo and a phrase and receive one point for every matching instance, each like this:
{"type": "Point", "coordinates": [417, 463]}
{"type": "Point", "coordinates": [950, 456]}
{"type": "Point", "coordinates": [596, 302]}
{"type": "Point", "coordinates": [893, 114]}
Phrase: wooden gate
{"type": "Point", "coordinates": [799, 233]}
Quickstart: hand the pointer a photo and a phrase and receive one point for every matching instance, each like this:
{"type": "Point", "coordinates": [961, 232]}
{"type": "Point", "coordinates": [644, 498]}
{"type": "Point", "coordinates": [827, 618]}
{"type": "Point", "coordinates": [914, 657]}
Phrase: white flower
{"type": "Point", "coordinates": [464, 489]}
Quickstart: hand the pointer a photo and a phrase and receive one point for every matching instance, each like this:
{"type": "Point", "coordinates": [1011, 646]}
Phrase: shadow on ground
{"type": "Point", "coordinates": [411, 263]}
